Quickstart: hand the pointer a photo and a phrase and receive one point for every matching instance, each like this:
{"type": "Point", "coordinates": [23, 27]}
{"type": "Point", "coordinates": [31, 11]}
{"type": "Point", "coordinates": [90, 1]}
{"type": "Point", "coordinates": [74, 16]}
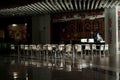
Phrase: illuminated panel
{"type": "Point", "coordinates": [91, 40]}
{"type": "Point", "coordinates": [84, 40]}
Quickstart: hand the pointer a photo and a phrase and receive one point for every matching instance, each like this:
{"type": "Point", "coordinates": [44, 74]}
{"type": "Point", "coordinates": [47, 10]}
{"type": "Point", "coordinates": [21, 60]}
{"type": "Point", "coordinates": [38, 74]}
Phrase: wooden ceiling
{"type": "Point", "coordinates": [38, 7]}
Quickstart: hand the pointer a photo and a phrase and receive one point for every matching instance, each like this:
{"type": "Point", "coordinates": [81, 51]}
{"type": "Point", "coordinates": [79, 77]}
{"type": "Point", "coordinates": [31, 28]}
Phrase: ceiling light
{"type": "Point", "coordinates": [14, 25]}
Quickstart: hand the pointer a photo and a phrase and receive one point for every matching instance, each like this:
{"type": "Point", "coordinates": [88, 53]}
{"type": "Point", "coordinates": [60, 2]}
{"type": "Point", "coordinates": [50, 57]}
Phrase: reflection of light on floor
{"type": "Point", "coordinates": [13, 62]}
{"type": "Point", "coordinates": [38, 64]}
{"type": "Point", "coordinates": [26, 76]}
{"type": "Point", "coordinates": [15, 75]}
{"type": "Point", "coordinates": [49, 64]}
{"type": "Point", "coordinates": [26, 63]}
{"type": "Point", "coordinates": [61, 64]}
{"type": "Point", "coordinates": [84, 65]}
{"type": "Point", "coordinates": [68, 67]}
{"type": "Point", "coordinates": [33, 63]}
{"type": "Point", "coordinates": [44, 63]}
{"type": "Point", "coordinates": [79, 67]}
{"type": "Point", "coordinates": [91, 64]}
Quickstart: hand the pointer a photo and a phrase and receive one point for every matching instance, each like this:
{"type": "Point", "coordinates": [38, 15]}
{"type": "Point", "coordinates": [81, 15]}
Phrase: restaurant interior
{"type": "Point", "coordinates": [60, 40]}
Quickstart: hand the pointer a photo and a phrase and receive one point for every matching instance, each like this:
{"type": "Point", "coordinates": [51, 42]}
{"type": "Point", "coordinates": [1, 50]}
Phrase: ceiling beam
{"type": "Point", "coordinates": [71, 5]}
{"type": "Point", "coordinates": [50, 5]}
{"type": "Point", "coordinates": [115, 3]}
{"type": "Point", "coordinates": [47, 7]}
{"type": "Point", "coordinates": [58, 5]}
{"type": "Point", "coordinates": [88, 6]}
{"type": "Point", "coordinates": [96, 6]}
{"type": "Point", "coordinates": [66, 4]}
{"type": "Point", "coordinates": [62, 4]}
{"type": "Point", "coordinates": [84, 4]}
{"type": "Point", "coordinates": [80, 4]}
{"type": "Point", "coordinates": [76, 6]}
{"type": "Point", "coordinates": [105, 4]}
{"type": "Point", "coordinates": [109, 4]}
{"type": "Point", "coordinates": [93, 3]}
{"type": "Point", "coordinates": [43, 7]}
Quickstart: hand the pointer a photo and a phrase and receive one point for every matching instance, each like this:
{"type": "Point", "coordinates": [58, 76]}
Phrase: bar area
{"type": "Point", "coordinates": [60, 40]}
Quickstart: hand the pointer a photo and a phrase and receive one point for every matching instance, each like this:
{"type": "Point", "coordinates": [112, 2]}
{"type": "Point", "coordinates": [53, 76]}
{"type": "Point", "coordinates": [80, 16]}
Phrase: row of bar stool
{"type": "Point", "coordinates": [58, 56]}
{"type": "Point", "coordinates": [97, 49]}
{"type": "Point", "coordinates": [60, 50]}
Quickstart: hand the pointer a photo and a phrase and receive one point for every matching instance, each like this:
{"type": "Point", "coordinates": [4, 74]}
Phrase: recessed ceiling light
{"type": "Point", "coordinates": [14, 24]}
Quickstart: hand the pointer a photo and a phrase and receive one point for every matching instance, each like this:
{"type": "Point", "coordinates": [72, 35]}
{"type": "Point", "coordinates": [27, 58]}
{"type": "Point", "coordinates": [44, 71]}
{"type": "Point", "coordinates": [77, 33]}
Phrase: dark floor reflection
{"type": "Point", "coordinates": [80, 68]}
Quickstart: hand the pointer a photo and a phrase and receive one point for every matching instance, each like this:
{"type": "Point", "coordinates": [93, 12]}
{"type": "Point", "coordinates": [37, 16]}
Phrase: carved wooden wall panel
{"type": "Point", "coordinates": [77, 29]}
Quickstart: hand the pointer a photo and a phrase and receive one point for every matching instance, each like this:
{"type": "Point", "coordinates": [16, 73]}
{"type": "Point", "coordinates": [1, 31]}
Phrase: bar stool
{"type": "Point", "coordinates": [30, 49]}
{"type": "Point", "coordinates": [45, 48]}
{"type": "Point", "coordinates": [61, 52]}
{"type": "Point", "coordinates": [60, 64]}
{"type": "Point", "coordinates": [78, 49]}
{"type": "Point", "coordinates": [94, 49]}
{"type": "Point", "coordinates": [54, 50]}
{"type": "Point", "coordinates": [102, 49]}
{"type": "Point", "coordinates": [61, 48]}
{"type": "Point", "coordinates": [26, 50]}
{"type": "Point", "coordinates": [68, 67]}
{"type": "Point", "coordinates": [49, 47]}
{"type": "Point", "coordinates": [39, 50]}
{"type": "Point", "coordinates": [22, 49]}
{"type": "Point", "coordinates": [12, 47]}
{"type": "Point", "coordinates": [55, 55]}
{"type": "Point", "coordinates": [87, 49]}
{"type": "Point", "coordinates": [34, 49]}
{"type": "Point", "coordinates": [49, 50]}
{"type": "Point", "coordinates": [68, 49]}
{"type": "Point", "coordinates": [106, 49]}
{"type": "Point", "coordinates": [50, 65]}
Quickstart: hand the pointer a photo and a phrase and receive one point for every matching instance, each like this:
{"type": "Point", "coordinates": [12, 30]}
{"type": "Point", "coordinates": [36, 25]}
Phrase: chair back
{"type": "Point", "coordinates": [61, 47]}
{"type": "Point", "coordinates": [78, 47]}
{"type": "Point", "coordinates": [102, 47]}
{"type": "Point", "coordinates": [49, 47]}
{"type": "Point", "coordinates": [12, 47]}
{"type": "Point", "coordinates": [94, 47]}
{"type": "Point", "coordinates": [68, 48]}
{"type": "Point", "coordinates": [87, 47]}
{"type": "Point", "coordinates": [106, 46]}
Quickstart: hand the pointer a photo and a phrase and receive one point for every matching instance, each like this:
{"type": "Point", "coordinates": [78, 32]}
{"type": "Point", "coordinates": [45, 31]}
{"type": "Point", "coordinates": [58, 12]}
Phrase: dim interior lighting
{"type": "Point", "coordinates": [91, 40]}
{"type": "Point", "coordinates": [15, 75]}
{"type": "Point", "coordinates": [26, 76]}
{"type": "Point", "coordinates": [14, 25]}
{"type": "Point", "coordinates": [25, 24]}
{"type": "Point", "coordinates": [84, 40]}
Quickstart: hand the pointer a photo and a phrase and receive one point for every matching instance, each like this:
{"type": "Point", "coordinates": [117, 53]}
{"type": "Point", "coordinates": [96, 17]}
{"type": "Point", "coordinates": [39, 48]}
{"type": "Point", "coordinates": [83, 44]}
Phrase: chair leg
{"type": "Point", "coordinates": [104, 53]}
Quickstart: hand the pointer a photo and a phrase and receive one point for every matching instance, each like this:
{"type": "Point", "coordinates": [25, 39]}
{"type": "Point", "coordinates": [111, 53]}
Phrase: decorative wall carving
{"type": "Point", "coordinates": [77, 29]}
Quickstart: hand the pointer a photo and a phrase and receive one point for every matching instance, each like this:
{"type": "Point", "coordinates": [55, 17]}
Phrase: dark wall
{"type": "Point", "coordinates": [55, 38]}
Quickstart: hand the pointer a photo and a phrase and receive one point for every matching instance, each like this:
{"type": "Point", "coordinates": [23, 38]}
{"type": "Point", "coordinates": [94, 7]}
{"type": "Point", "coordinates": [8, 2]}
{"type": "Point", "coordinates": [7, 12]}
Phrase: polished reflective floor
{"type": "Point", "coordinates": [36, 67]}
